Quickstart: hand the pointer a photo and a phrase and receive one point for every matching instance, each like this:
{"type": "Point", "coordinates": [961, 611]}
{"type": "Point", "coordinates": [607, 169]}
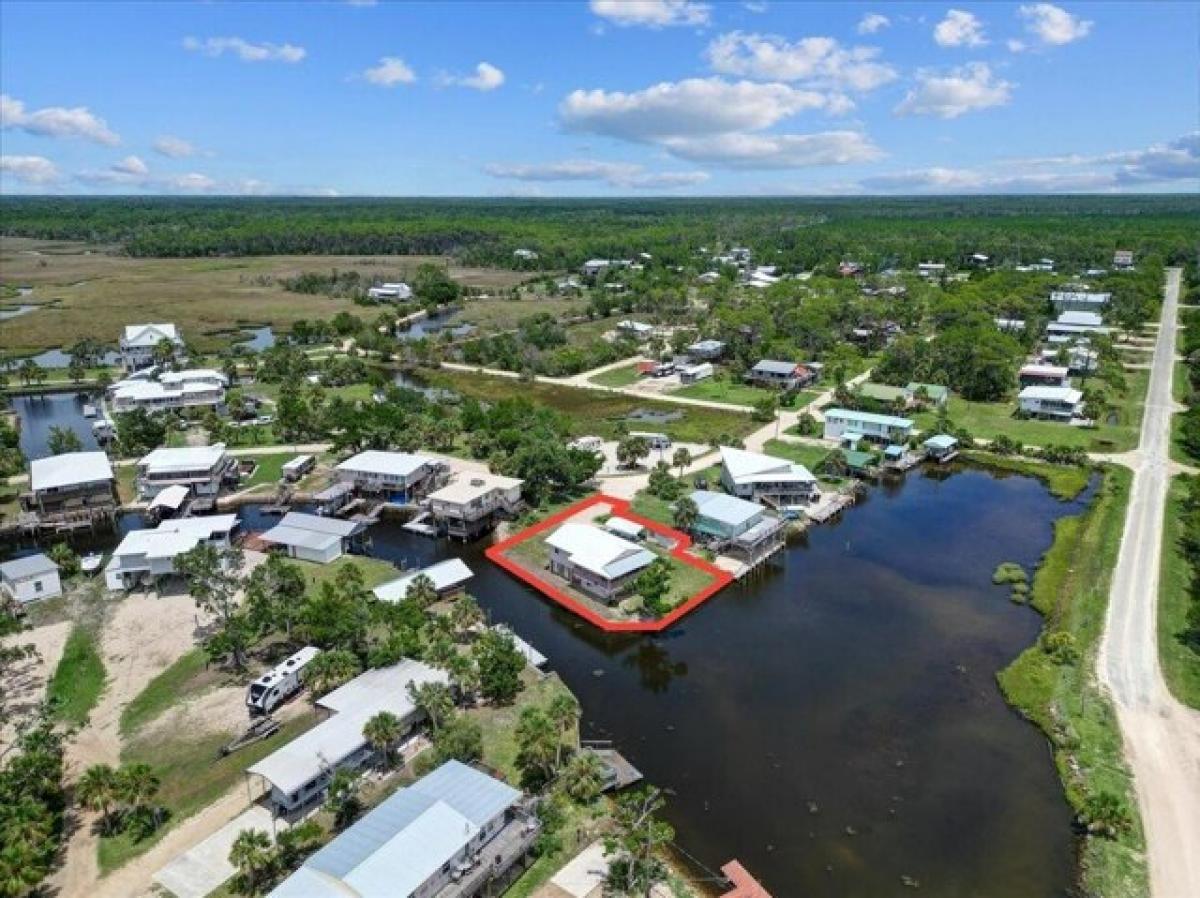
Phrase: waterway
{"type": "Point", "coordinates": [833, 723]}
{"type": "Point", "coordinates": [39, 413]}
{"type": "Point", "coordinates": [433, 325]}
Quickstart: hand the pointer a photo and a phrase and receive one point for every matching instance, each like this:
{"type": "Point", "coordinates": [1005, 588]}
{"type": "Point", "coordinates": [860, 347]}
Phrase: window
{"type": "Point", "coordinates": [37, 585]}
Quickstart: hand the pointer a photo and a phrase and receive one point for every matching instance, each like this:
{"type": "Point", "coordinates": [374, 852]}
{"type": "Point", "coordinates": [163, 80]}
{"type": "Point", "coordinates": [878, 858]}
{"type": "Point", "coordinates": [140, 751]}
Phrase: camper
{"type": "Point", "coordinates": [658, 441]}
{"type": "Point", "coordinates": [298, 467]}
{"type": "Point", "coordinates": [280, 683]}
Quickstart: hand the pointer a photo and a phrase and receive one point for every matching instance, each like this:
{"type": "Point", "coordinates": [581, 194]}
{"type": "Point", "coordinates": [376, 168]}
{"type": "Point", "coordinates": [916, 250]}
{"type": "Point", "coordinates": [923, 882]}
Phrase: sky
{"type": "Point", "coordinates": [598, 98]}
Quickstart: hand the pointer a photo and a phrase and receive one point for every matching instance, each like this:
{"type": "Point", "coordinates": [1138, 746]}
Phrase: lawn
{"type": "Point", "coordinates": [499, 724]}
{"type": "Point", "coordinates": [624, 376]}
{"type": "Point", "coordinates": [270, 468]}
{"type": "Point", "coordinates": [183, 678]}
{"type": "Point", "coordinates": [808, 454]}
{"type": "Point", "coordinates": [79, 678]}
{"type": "Point", "coordinates": [598, 413]}
{"type": "Point", "coordinates": [721, 389]}
{"type": "Point", "coordinates": [1180, 662]}
{"type": "Point", "coordinates": [505, 314]}
{"type": "Point", "coordinates": [1070, 589]}
{"type": "Point", "coordinates": [1065, 481]}
{"type": "Point", "coordinates": [375, 570]}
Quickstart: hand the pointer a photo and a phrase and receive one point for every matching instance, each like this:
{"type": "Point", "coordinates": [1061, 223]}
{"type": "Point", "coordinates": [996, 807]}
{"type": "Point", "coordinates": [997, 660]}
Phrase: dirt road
{"type": "Point", "coordinates": [1162, 737]}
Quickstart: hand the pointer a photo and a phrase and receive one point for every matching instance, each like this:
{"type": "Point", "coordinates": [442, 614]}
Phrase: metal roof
{"type": "Point", "coordinates": [941, 441]}
{"type": "Point", "coordinates": [171, 497]}
{"type": "Point", "coordinates": [29, 566]}
{"type": "Point", "coordinates": [150, 335]}
{"type": "Point", "coordinates": [745, 467]}
{"type": "Point", "coordinates": [303, 539]}
{"type": "Point", "coordinates": [69, 469]}
{"type": "Point", "coordinates": [726, 509]}
{"type": "Point", "coordinates": [845, 414]}
{"type": "Point", "coordinates": [184, 458]}
{"type": "Point", "coordinates": [1051, 394]}
{"type": "Point", "coordinates": [445, 575]}
{"type": "Point", "coordinates": [599, 551]}
{"type": "Point", "coordinates": [392, 464]}
{"type": "Point", "coordinates": [624, 527]}
{"type": "Point", "coordinates": [771, 366]}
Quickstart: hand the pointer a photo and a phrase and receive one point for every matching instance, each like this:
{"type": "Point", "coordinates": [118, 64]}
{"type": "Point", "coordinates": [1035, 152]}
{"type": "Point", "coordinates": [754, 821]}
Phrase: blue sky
{"type": "Point", "coordinates": [607, 97]}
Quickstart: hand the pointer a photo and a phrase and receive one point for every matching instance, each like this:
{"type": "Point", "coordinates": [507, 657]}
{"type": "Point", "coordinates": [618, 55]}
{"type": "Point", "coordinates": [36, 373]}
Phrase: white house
{"type": "Point", "coordinates": [1059, 403]}
{"type": "Point", "coordinates": [193, 388]}
{"type": "Point", "coordinates": [1044, 375]}
{"type": "Point", "coordinates": [638, 329]}
{"type": "Point", "coordinates": [399, 477]}
{"type": "Point", "coordinates": [1075, 324]}
{"type": "Point", "coordinates": [782, 375]}
{"type": "Point", "coordinates": [596, 561]}
{"type": "Point", "coordinates": [753, 475]}
{"type": "Point", "coordinates": [931, 269]}
{"type": "Point", "coordinates": [147, 555]}
{"type": "Point", "coordinates": [138, 342]}
{"type": "Point", "coordinates": [445, 835]}
{"type": "Point", "coordinates": [311, 537]}
{"type": "Point", "coordinates": [70, 483]}
{"type": "Point", "coordinates": [1079, 301]}
{"type": "Point", "coordinates": [448, 577]}
{"type": "Point", "coordinates": [473, 501]}
{"type": "Point", "coordinates": [30, 578]}
{"type": "Point", "coordinates": [707, 350]}
{"type": "Point", "coordinates": [397, 291]}
{"type": "Point", "coordinates": [1123, 259]}
{"type": "Point", "coordinates": [298, 772]}
{"type": "Point", "coordinates": [841, 422]}
{"type": "Point", "coordinates": [202, 469]}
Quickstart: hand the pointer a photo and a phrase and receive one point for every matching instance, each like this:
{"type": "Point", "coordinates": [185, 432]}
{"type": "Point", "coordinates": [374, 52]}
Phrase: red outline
{"type": "Point", "coordinates": [721, 578]}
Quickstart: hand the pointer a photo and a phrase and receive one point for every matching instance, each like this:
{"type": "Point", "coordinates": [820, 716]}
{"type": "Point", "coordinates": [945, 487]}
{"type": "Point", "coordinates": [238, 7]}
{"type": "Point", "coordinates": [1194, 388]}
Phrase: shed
{"type": "Point", "coordinates": [311, 537]}
{"type": "Point", "coordinates": [448, 576]}
{"type": "Point", "coordinates": [30, 578]}
{"type": "Point", "coordinates": [624, 527]}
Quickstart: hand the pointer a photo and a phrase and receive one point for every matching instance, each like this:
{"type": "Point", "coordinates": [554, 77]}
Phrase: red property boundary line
{"type": "Point", "coordinates": [720, 580]}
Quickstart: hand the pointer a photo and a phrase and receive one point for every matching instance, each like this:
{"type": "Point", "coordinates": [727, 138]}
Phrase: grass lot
{"type": "Point", "coordinates": [1181, 663]}
{"type": "Point", "coordinates": [809, 455]}
{"type": "Point", "coordinates": [618, 377]}
{"type": "Point", "coordinates": [78, 680]}
{"type": "Point", "coordinates": [593, 412]}
{"type": "Point", "coordinates": [504, 314]}
{"type": "Point", "coordinates": [1065, 481]}
{"type": "Point", "coordinates": [126, 483]}
{"type": "Point", "coordinates": [1071, 589]}
{"type": "Point", "coordinates": [193, 777]}
{"type": "Point", "coordinates": [375, 570]}
{"type": "Point", "coordinates": [169, 688]}
{"type": "Point", "coordinates": [98, 291]}
{"type": "Point", "coordinates": [988, 420]}
{"type": "Point", "coordinates": [270, 468]}
{"type": "Point", "coordinates": [499, 724]}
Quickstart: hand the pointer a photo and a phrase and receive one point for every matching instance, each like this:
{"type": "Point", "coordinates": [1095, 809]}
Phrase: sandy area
{"type": "Point", "coordinates": [26, 683]}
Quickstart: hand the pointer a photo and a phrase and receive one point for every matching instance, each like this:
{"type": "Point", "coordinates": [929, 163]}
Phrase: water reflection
{"type": "Point", "coordinates": [39, 413]}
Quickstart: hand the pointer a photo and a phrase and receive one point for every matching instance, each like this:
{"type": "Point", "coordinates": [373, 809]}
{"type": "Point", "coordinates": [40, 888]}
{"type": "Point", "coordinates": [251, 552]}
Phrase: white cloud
{"type": "Point", "coordinates": [245, 50]}
{"type": "Point", "coordinates": [1015, 46]}
{"type": "Point", "coordinates": [625, 175]}
{"type": "Point", "coordinates": [486, 77]}
{"type": "Point", "coordinates": [872, 23]}
{"type": "Point", "coordinates": [776, 151]}
{"type": "Point", "coordinates": [959, 29]}
{"type": "Point", "coordinates": [132, 165]}
{"type": "Point", "coordinates": [56, 121]}
{"type": "Point", "coordinates": [652, 13]}
{"type": "Point", "coordinates": [1052, 24]}
{"type": "Point", "coordinates": [756, 5]}
{"type": "Point", "coordinates": [390, 71]}
{"type": "Point", "coordinates": [817, 61]}
{"type": "Point", "coordinates": [959, 91]}
{"type": "Point", "coordinates": [29, 169]}
{"type": "Point", "coordinates": [173, 147]}
{"type": "Point", "coordinates": [695, 106]}
{"type": "Point", "coordinates": [959, 180]}
{"type": "Point", "coordinates": [130, 171]}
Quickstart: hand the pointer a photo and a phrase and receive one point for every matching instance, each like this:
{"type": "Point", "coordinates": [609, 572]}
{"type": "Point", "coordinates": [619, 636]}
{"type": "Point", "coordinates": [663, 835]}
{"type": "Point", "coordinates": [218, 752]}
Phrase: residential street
{"type": "Point", "coordinates": [1162, 737]}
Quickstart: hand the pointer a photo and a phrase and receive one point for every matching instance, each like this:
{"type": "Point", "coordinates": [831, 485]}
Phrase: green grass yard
{"type": "Point", "coordinates": [78, 680]}
{"type": "Point", "coordinates": [723, 389]}
{"type": "Point", "coordinates": [808, 454]}
{"type": "Point", "coordinates": [1180, 662]}
{"type": "Point", "coordinates": [189, 675]}
{"type": "Point", "coordinates": [624, 376]}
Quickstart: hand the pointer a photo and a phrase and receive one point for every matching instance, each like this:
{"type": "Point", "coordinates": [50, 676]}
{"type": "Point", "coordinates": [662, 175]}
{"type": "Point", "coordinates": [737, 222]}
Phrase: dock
{"type": "Point", "coordinates": [744, 885]}
{"type": "Point", "coordinates": [420, 524]}
{"type": "Point", "coordinates": [620, 773]}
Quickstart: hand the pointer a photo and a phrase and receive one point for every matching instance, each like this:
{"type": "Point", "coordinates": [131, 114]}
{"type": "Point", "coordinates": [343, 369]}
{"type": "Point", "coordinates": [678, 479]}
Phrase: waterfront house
{"type": "Point", "coordinates": [1044, 376]}
{"type": "Point", "coordinates": [172, 390]}
{"type": "Point", "coordinates": [147, 556]}
{"type": "Point", "coordinates": [474, 501]}
{"type": "Point", "coordinates": [596, 561]}
{"type": "Point", "coordinates": [449, 578]}
{"type": "Point", "coordinates": [941, 447]}
{"type": "Point", "coordinates": [71, 485]}
{"type": "Point", "coordinates": [30, 579]}
{"type": "Point", "coordinates": [202, 469]}
{"type": "Point", "coordinates": [1058, 403]}
{"type": "Point", "coordinates": [139, 341]}
{"type": "Point", "coordinates": [1079, 301]}
{"type": "Point", "coordinates": [840, 422]}
{"type": "Point", "coordinates": [299, 772]}
{"type": "Point", "coordinates": [928, 394]}
{"type": "Point", "coordinates": [706, 350]}
{"type": "Point", "coordinates": [725, 517]}
{"type": "Point", "coordinates": [780, 375]}
{"type": "Point", "coordinates": [765, 478]}
{"type": "Point", "coordinates": [447, 835]}
{"type": "Point", "coordinates": [399, 477]}
{"type": "Point", "coordinates": [311, 537]}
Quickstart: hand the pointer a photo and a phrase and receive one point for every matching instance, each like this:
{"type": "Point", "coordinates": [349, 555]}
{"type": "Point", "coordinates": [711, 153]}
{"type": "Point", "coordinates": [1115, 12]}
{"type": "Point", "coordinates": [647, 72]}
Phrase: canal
{"type": "Point", "coordinates": [835, 722]}
{"type": "Point", "coordinates": [40, 412]}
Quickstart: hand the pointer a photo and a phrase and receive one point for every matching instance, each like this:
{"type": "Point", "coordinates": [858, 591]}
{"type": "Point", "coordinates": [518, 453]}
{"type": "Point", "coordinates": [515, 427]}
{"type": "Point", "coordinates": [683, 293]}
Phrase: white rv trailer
{"type": "Point", "coordinates": [280, 683]}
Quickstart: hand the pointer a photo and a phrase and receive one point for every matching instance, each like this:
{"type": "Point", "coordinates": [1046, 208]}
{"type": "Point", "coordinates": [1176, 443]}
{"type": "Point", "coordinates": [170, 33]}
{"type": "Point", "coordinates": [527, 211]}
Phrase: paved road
{"type": "Point", "coordinates": [1162, 737]}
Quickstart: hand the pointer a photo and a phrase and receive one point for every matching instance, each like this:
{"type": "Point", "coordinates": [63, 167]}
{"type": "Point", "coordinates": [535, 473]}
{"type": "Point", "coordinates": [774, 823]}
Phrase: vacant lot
{"type": "Point", "coordinates": [504, 314]}
{"type": "Point", "coordinates": [95, 291]}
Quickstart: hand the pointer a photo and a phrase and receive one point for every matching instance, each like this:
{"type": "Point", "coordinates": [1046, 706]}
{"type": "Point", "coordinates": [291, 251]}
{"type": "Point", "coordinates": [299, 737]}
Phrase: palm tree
{"type": "Point", "coordinates": [538, 744]}
{"type": "Point", "coordinates": [564, 713]}
{"type": "Point", "coordinates": [297, 842]}
{"type": "Point", "coordinates": [686, 513]}
{"type": "Point", "coordinates": [465, 614]}
{"type": "Point", "coordinates": [681, 458]}
{"type": "Point", "coordinates": [343, 801]}
{"type": "Point", "coordinates": [97, 790]}
{"type": "Point", "coordinates": [29, 371]}
{"type": "Point", "coordinates": [251, 854]}
{"type": "Point", "coordinates": [434, 699]}
{"type": "Point", "coordinates": [383, 731]}
{"type": "Point", "coordinates": [584, 776]}
{"type": "Point", "coordinates": [422, 591]}
{"type": "Point", "coordinates": [331, 669]}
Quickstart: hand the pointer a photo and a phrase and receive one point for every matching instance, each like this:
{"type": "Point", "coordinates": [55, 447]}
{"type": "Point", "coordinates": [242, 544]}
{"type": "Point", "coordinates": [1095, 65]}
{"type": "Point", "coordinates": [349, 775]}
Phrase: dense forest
{"type": "Point", "coordinates": [794, 232]}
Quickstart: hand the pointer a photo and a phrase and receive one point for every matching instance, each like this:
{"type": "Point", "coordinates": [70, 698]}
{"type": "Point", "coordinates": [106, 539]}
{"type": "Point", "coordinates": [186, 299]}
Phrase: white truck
{"type": "Point", "coordinates": [280, 683]}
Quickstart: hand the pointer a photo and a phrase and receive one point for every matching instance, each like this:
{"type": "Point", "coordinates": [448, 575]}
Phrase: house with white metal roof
{"type": "Point", "coordinates": [70, 483]}
{"type": "Point", "coordinates": [598, 562]}
{"type": "Point", "coordinates": [138, 342]}
{"type": "Point", "coordinates": [448, 577]}
{"type": "Point", "coordinates": [145, 556]}
{"type": "Point", "coordinates": [844, 422]}
{"type": "Point", "coordinates": [941, 447]}
{"type": "Point", "coordinates": [1044, 375]}
{"type": "Point", "coordinates": [1079, 300]}
{"type": "Point", "coordinates": [299, 772]}
{"type": "Point", "coordinates": [765, 478]}
{"type": "Point", "coordinates": [192, 388]}
{"type": "Point", "coordinates": [311, 537]}
{"type": "Point", "coordinates": [474, 501]}
{"type": "Point", "coordinates": [1057, 403]}
{"type": "Point", "coordinates": [399, 477]}
{"type": "Point", "coordinates": [30, 578]}
{"type": "Point", "coordinates": [706, 350]}
{"type": "Point", "coordinates": [448, 833]}
{"type": "Point", "coordinates": [201, 469]}
{"type": "Point", "coordinates": [397, 291]}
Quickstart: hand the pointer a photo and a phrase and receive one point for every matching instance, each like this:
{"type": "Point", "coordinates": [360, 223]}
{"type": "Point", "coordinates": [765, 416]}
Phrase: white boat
{"type": "Point", "coordinates": [89, 411]}
{"type": "Point", "coordinates": [91, 562]}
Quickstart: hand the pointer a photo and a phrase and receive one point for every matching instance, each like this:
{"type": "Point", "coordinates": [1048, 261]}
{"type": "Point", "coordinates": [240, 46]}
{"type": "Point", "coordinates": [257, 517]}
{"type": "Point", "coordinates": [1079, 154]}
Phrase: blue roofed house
{"type": "Point", "coordinates": [847, 423]}
{"type": "Point", "coordinates": [736, 526]}
{"type": "Point", "coordinates": [448, 834]}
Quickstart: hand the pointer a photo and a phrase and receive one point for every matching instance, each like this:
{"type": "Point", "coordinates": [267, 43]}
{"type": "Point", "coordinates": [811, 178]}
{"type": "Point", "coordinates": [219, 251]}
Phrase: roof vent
{"type": "Point", "coordinates": [477, 481]}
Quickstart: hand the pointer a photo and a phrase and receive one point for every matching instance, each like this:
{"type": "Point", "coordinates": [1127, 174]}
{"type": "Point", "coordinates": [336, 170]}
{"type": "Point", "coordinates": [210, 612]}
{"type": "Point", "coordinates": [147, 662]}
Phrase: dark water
{"type": "Point", "coordinates": [433, 325]}
{"type": "Point", "coordinates": [57, 358]}
{"type": "Point", "coordinates": [834, 724]}
{"type": "Point", "coordinates": [39, 413]}
{"type": "Point", "coordinates": [258, 339]}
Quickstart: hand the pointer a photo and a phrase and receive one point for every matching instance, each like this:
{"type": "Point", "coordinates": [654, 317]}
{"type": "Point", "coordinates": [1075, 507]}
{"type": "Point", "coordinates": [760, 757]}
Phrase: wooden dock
{"type": "Point", "coordinates": [744, 885]}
